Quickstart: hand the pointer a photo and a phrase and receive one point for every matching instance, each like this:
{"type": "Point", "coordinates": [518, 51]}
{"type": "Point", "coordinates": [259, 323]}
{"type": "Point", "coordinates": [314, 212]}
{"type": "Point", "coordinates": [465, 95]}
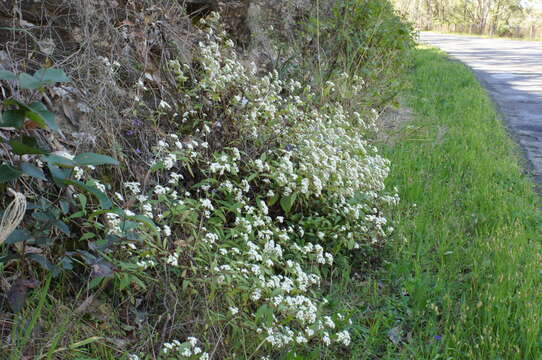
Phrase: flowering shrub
{"type": "Point", "coordinates": [255, 206]}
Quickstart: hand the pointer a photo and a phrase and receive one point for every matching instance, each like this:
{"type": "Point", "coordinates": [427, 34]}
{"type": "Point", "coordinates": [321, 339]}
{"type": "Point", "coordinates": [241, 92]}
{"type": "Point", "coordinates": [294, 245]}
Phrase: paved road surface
{"type": "Point", "coordinates": [512, 72]}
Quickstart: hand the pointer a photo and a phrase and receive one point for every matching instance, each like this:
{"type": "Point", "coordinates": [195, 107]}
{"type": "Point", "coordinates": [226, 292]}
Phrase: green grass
{"type": "Point", "coordinates": [468, 252]}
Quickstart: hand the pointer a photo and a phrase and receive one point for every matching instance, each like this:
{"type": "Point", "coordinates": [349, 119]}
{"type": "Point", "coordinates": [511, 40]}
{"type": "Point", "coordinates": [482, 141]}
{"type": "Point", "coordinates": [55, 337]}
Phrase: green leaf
{"type": "Point", "coordinates": [12, 118]}
{"type": "Point", "coordinates": [61, 225]}
{"type": "Point", "coordinates": [105, 203]}
{"type": "Point", "coordinates": [51, 75]}
{"type": "Point", "coordinates": [17, 236]}
{"type": "Point", "coordinates": [39, 111]}
{"type": "Point", "coordinates": [273, 200]}
{"type": "Point", "coordinates": [64, 206]}
{"type": "Point", "coordinates": [95, 282]}
{"type": "Point", "coordinates": [58, 160]}
{"type": "Point", "coordinates": [25, 145]}
{"type": "Point", "coordinates": [59, 175]}
{"type": "Point", "coordinates": [27, 81]}
{"type": "Point", "coordinates": [7, 75]}
{"type": "Point", "coordinates": [85, 159]}
{"type": "Point", "coordinates": [8, 173]}
{"type": "Point", "coordinates": [87, 236]}
{"type": "Point", "coordinates": [32, 170]}
{"type": "Point", "coordinates": [82, 200]}
{"type": "Point", "coordinates": [286, 203]}
{"type": "Point", "coordinates": [66, 263]}
{"type": "Point", "coordinates": [44, 263]}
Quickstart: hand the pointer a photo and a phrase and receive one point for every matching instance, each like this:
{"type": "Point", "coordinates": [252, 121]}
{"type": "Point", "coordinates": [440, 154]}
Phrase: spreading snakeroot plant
{"type": "Point", "coordinates": [257, 204]}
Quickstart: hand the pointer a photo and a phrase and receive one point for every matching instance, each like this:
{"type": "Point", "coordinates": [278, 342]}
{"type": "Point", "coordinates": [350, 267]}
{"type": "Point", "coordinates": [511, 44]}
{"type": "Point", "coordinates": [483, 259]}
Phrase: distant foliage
{"type": "Point", "coordinates": [364, 38]}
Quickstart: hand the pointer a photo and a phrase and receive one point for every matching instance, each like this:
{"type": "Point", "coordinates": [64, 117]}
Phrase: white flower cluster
{"type": "Point", "coordinates": [186, 350]}
{"type": "Point", "coordinates": [263, 222]}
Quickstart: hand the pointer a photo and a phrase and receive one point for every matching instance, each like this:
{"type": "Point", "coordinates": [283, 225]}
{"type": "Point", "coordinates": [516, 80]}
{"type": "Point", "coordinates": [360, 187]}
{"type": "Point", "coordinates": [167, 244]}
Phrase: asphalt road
{"type": "Point", "coordinates": [511, 71]}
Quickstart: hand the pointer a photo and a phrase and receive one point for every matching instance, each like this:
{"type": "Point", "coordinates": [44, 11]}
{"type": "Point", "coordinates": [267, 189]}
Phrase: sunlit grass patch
{"type": "Point", "coordinates": [466, 269]}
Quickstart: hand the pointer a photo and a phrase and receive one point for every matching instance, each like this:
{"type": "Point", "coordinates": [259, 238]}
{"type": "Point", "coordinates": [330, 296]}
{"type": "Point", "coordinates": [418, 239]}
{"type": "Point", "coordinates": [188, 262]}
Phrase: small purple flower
{"type": "Point", "coordinates": [130, 132]}
{"type": "Point", "coordinates": [138, 151]}
{"type": "Point", "coordinates": [438, 337]}
{"type": "Point", "coordinates": [137, 122]}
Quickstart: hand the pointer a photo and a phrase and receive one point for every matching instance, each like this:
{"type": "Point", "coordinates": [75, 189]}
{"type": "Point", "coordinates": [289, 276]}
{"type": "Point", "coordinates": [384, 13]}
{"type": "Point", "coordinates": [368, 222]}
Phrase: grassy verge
{"type": "Point", "coordinates": [467, 269]}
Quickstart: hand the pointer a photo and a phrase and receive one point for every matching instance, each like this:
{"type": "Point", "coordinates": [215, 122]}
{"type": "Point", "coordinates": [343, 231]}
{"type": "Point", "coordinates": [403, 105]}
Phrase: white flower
{"type": "Point", "coordinates": [78, 173]}
{"type": "Point", "coordinates": [343, 337]}
{"type": "Point", "coordinates": [233, 310]}
{"type": "Point", "coordinates": [192, 340]}
{"type": "Point", "coordinates": [134, 187]}
{"type": "Point", "coordinates": [164, 105]}
{"type": "Point", "coordinates": [159, 190]}
{"type": "Point", "coordinates": [206, 203]}
{"type": "Point", "coordinates": [173, 260]}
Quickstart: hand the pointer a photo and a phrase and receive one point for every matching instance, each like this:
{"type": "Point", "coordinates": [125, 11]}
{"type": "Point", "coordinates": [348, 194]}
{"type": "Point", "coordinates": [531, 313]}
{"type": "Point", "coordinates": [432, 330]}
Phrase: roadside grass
{"type": "Point", "coordinates": [464, 280]}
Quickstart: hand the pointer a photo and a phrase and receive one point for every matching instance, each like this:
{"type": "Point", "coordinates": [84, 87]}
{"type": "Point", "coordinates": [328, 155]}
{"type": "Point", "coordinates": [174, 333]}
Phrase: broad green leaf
{"type": "Point", "coordinates": [95, 282]}
{"type": "Point", "coordinates": [59, 175]}
{"type": "Point", "coordinates": [17, 236]}
{"type": "Point", "coordinates": [12, 118]}
{"type": "Point", "coordinates": [286, 203]}
{"type": "Point", "coordinates": [143, 219]}
{"type": "Point", "coordinates": [94, 159]}
{"type": "Point", "coordinates": [61, 225]}
{"type": "Point", "coordinates": [27, 81]}
{"type": "Point", "coordinates": [273, 200]}
{"type": "Point", "coordinates": [66, 263]}
{"type": "Point", "coordinates": [42, 260]}
{"type": "Point", "coordinates": [58, 160]}
{"type": "Point", "coordinates": [51, 75]}
{"type": "Point", "coordinates": [25, 145]}
{"type": "Point", "coordinates": [64, 206]}
{"type": "Point", "coordinates": [8, 173]}
{"type": "Point", "coordinates": [7, 75]}
{"type": "Point", "coordinates": [39, 113]}
{"type": "Point", "coordinates": [105, 203]}
{"type": "Point", "coordinates": [32, 170]}
{"type": "Point", "coordinates": [87, 236]}
{"type": "Point", "coordinates": [82, 200]}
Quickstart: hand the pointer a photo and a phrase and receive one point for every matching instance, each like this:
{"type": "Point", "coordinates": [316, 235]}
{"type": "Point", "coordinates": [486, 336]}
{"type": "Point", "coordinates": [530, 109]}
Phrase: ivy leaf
{"type": "Point", "coordinates": [33, 171]}
{"type": "Point", "coordinates": [85, 159]}
{"type": "Point", "coordinates": [8, 173]}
